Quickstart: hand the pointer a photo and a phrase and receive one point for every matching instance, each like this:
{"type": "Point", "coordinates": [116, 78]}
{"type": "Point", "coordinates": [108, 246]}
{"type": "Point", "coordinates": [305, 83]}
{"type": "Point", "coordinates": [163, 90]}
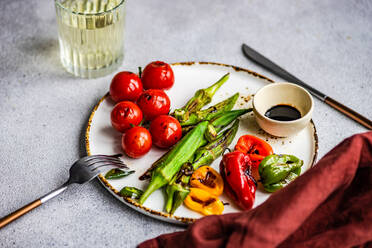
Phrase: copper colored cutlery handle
{"type": "Point", "coordinates": [16, 214]}
{"type": "Point", "coordinates": [277, 70]}
{"type": "Point", "coordinates": [349, 112]}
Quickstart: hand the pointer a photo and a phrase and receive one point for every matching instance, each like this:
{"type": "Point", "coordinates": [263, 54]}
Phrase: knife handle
{"type": "Point", "coordinates": [349, 112]}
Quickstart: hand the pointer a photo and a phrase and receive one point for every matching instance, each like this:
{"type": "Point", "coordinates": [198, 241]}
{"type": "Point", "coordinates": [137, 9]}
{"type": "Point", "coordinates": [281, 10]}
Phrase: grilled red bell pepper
{"type": "Point", "coordinates": [240, 186]}
{"type": "Point", "coordinates": [256, 148]}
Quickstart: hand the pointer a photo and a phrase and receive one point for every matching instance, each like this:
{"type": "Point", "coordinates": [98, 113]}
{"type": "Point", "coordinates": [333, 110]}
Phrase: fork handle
{"type": "Point", "coordinates": [18, 213]}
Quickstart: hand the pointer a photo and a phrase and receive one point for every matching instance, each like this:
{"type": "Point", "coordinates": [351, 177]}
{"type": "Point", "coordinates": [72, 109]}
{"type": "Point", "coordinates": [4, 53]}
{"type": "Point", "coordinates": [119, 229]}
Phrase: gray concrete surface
{"type": "Point", "coordinates": [44, 109]}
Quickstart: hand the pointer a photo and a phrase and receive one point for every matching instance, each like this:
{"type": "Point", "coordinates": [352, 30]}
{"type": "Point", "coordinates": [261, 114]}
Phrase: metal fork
{"type": "Point", "coordinates": [82, 171]}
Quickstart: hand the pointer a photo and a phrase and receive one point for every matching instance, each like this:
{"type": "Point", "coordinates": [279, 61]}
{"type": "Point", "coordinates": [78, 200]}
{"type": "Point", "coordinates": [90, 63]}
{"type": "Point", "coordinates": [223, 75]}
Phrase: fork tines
{"type": "Point", "coordinates": [97, 161]}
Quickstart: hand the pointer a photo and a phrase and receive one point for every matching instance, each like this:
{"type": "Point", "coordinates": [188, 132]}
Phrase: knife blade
{"type": "Point", "coordinates": [277, 70]}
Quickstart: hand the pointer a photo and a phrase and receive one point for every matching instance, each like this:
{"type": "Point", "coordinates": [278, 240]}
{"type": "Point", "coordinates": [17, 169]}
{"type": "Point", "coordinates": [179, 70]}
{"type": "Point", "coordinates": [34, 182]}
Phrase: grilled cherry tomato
{"type": "Point", "coordinates": [153, 103]}
{"type": "Point", "coordinates": [157, 75]}
{"type": "Point", "coordinates": [125, 86]}
{"type": "Point", "coordinates": [166, 131]}
{"type": "Point", "coordinates": [136, 142]}
{"type": "Point", "coordinates": [124, 115]}
{"type": "Point", "coordinates": [256, 148]}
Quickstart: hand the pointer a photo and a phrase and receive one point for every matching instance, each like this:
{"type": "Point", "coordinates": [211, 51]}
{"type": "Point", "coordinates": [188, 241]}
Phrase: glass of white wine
{"type": "Point", "coordinates": [91, 34]}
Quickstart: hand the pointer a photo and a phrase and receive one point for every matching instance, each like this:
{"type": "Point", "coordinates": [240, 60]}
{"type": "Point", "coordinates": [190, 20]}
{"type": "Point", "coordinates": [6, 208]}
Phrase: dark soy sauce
{"type": "Point", "coordinates": [283, 112]}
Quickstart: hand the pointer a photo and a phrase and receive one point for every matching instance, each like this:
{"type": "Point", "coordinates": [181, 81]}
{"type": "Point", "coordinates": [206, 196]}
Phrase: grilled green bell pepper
{"type": "Point", "coordinates": [278, 170]}
{"type": "Point", "coordinates": [177, 156]}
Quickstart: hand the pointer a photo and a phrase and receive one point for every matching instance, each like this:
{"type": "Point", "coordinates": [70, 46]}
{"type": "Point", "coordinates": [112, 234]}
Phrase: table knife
{"type": "Point", "coordinates": [277, 70]}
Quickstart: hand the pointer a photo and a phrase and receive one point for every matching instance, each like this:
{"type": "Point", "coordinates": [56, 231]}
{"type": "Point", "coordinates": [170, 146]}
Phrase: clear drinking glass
{"type": "Point", "coordinates": [91, 34]}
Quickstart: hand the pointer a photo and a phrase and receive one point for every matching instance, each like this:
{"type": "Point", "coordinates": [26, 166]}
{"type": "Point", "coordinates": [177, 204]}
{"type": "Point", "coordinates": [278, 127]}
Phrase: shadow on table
{"type": "Point", "coordinates": [82, 148]}
{"type": "Point", "coordinates": [42, 54]}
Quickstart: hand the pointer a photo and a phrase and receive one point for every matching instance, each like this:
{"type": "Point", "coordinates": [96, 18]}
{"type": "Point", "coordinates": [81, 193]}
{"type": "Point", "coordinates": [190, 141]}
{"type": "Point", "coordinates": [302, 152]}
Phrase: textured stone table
{"type": "Point", "coordinates": [44, 109]}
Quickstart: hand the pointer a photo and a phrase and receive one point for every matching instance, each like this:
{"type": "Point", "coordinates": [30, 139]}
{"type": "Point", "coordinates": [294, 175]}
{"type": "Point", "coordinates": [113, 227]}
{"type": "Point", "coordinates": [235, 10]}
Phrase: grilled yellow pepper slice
{"type": "Point", "coordinates": [208, 179]}
{"type": "Point", "coordinates": [203, 202]}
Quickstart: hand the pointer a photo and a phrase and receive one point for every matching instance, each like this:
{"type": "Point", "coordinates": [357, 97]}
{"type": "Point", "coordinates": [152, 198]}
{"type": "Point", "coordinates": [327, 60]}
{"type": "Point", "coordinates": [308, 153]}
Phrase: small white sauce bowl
{"type": "Point", "coordinates": [282, 93]}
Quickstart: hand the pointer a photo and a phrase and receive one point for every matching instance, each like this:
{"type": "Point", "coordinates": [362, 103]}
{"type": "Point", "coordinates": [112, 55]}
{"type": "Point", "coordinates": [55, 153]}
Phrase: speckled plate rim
{"type": "Point", "coordinates": [156, 214]}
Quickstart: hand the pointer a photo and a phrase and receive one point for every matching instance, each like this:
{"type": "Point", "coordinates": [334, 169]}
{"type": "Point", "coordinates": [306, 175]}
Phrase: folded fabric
{"type": "Point", "coordinates": [328, 206]}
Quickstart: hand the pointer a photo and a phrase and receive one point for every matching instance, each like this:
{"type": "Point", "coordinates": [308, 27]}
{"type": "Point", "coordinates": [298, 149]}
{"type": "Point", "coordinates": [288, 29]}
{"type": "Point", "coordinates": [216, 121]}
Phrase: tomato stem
{"type": "Point", "coordinates": [142, 123]}
{"type": "Point", "coordinates": [139, 71]}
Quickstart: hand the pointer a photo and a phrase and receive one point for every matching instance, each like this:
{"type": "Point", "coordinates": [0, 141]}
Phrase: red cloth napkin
{"type": "Point", "coordinates": [328, 206]}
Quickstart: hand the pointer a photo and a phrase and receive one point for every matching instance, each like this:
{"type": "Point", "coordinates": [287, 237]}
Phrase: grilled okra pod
{"type": "Point", "coordinates": [177, 156]}
{"type": "Point", "coordinates": [179, 183]}
{"type": "Point", "coordinates": [211, 112]}
{"type": "Point", "coordinates": [221, 121]}
{"type": "Point", "coordinates": [201, 98]}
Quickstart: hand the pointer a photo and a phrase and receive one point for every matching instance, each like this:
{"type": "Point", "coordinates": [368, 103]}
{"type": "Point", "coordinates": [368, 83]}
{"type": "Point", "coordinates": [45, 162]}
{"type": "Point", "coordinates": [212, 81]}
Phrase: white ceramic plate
{"type": "Point", "coordinates": [101, 138]}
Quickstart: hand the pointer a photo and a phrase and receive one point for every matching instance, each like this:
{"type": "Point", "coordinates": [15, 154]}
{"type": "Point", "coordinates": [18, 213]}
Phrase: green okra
{"type": "Point", "coordinates": [211, 133]}
{"type": "Point", "coordinates": [201, 98]}
{"type": "Point", "coordinates": [179, 183]}
{"type": "Point", "coordinates": [207, 154]}
{"type": "Point", "coordinates": [159, 162]}
{"type": "Point", "coordinates": [177, 156]}
{"type": "Point", "coordinates": [221, 121]}
{"type": "Point", "coordinates": [177, 189]}
{"type": "Point", "coordinates": [211, 112]}
{"type": "Point", "coordinates": [278, 170]}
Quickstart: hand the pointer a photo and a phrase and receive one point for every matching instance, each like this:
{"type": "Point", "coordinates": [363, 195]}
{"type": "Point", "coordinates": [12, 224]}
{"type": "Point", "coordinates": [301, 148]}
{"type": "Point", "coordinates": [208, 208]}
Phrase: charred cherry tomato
{"type": "Point", "coordinates": [166, 131]}
{"type": "Point", "coordinates": [125, 114]}
{"type": "Point", "coordinates": [157, 75]}
{"type": "Point", "coordinates": [208, 179]}
{"type": "Point", "coordinates": [125, 86]}
{"type": "Point", "coordinates": [153, 103]}
{"type": "Point", "coordinates": [256, 148]}
{"type": "Point", "coordinates": [136, 142]}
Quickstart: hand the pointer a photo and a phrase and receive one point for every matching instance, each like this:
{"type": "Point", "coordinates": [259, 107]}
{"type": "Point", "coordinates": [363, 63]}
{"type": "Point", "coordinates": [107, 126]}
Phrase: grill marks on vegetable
{"type": "Point", "coordinates": [204, 203]}
{"type": "Point", "coordinates": [209, 180]}
{"type": "Point", "coordinates": [248, 173]}
{"type": "Point", "coordinates": [213, 109]}
{"type": "Point", "coordinates": [148, 97]}
{"type": "Point", "coordinates": [253, 150]}
{"type": "Point", "coordinates": [218, 142]}
{"type": "Point", "coordinates": [126, 112]}
{"type": "Point", "coordinates": [193, 106]}
{"type": "Point", "coordinates": [186, 170]}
